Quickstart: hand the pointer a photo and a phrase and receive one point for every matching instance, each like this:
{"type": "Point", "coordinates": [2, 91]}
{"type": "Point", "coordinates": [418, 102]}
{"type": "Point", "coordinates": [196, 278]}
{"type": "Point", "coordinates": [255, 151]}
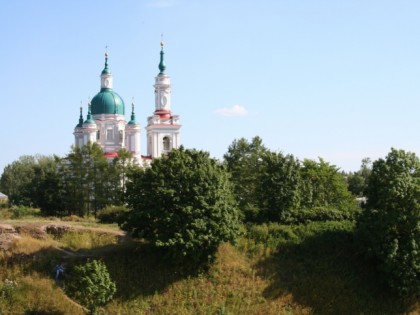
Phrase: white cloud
{"type": "Point", "coordinates": [235, 110]}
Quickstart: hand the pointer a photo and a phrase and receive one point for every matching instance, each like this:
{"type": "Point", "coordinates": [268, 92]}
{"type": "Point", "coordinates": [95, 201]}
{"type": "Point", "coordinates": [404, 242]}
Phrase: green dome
{"type": "Point", "coordinates": [107, 102]}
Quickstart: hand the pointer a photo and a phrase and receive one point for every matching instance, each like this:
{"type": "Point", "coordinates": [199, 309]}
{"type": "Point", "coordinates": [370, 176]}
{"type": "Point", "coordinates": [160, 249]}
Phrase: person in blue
{"type": "Point", "coordinates": [59, 271]}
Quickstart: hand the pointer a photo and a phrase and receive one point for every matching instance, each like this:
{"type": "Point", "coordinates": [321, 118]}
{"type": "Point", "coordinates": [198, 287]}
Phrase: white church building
{"type": "Point", "coordinates": [106, 124]}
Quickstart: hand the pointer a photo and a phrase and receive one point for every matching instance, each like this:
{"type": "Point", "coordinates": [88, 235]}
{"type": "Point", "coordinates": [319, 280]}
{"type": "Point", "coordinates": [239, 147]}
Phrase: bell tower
{"type": "Point", "coordinates": [163, 127]}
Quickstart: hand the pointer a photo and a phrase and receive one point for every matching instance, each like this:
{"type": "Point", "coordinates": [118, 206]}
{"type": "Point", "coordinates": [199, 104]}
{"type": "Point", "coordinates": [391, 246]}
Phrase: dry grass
{"type": "Point", "coordinates": [313, 273]}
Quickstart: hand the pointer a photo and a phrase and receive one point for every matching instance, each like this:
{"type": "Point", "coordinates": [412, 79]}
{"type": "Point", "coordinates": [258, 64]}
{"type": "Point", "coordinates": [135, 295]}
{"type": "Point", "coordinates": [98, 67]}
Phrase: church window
{"type": "Point", "coordinates": [98, 135]}
{"type": "Point", "coordinates": [166, 144]}
{"type": "Point", "coordinates": [109, 134]}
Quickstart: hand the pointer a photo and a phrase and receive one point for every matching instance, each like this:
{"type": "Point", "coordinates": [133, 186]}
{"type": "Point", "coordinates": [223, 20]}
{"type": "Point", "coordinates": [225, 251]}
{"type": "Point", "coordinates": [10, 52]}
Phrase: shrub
{"type": "Point", "coordinates": [22, 211]}
{"type": "Point", "coordinates": [112, 214]}
{"type": "Point", "coordinates": [322, 214]}
{"type": "Point", "coordinates": [91, 285]}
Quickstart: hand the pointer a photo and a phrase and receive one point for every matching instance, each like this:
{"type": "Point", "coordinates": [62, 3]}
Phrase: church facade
{"type": "Point", "coordinates": [106, 123]}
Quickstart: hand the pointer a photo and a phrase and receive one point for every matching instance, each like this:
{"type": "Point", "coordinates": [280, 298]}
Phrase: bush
{"type": "Point", "coordinates": [274, 234]}
{"type": "Point", "coordinates": [91, 285]}
{"type": "Point", "coordinates": [22, 211]}
{"type": "Point", "coordinates": [112, 214]}
{"type": "Point", "coordinates": [322, 214]}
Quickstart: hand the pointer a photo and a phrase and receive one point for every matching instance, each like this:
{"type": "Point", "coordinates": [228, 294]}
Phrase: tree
{"type": "Point", "coordinates": [89, 181]}
{"type": "Point", "coordinates": [278, 186]}
{"type": "Point", "coordinates": [22, 179]}
{"type": "Point", "coordinates": [91, 285]}
{"type": "Point", "coordinates": [244, 162]}
{"type": "Point", "coordinates": [122, 164]}
{"type": "Point", "coordinates": [46, 187]}
{"type": "Point", "coordinates": [358, 181]}
{"type": "Point", "coordinates": [389, 227]}
{"type": "Point", "coordinates": [324, 186]}
{"type": "Point", "coordinates": [183, 203]}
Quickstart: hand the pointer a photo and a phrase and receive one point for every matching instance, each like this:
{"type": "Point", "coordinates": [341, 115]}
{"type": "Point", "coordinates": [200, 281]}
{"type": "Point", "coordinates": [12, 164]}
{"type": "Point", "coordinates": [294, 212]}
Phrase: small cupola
{"type": "Point", "coordinates": [106, 75]}
{"type": "Point", "coordinates": [133, 116]}
{"type": "Point", "coordinates": [89, 120]}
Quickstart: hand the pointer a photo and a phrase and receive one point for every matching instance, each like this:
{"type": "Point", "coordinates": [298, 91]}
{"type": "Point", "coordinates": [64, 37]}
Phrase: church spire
{"type": "Point", "coordinates": [106, 75]}
{"type": "Point", "coordinates": [133, 115]}
{"type": "Point", "coordinates": [89, 119]}
{"type": "Point", "coordinates": [80, 124]}
{"type": "Point", "coordinates": [106, 69]}
{"type": "Point", "coordinates": [162, 66]}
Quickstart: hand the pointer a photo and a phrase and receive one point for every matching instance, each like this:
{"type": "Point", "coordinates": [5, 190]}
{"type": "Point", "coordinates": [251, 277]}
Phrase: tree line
{"type": "Point", "coordinates": [267, 186]}
{"type": "Point", "coordinates": [81, 183]}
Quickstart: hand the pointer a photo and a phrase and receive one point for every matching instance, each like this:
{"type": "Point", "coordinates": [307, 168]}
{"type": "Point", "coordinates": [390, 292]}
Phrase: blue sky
{"type": "Point", "coordinates": [331, 79]}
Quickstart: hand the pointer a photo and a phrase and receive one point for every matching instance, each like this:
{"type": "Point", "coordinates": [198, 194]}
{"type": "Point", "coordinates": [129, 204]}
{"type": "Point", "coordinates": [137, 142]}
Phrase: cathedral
{"type": "Point", "coordinates": [106, 124]}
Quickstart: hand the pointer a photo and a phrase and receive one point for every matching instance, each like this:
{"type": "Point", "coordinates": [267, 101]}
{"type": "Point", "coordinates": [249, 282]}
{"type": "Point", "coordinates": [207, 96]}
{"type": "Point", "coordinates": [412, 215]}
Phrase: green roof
{"type": "Point", "coordinates": [106, 69]}
{"type": "Point", "coordinates": [107, 102]}
{"type": "Point", "coordinates": [133, 116]}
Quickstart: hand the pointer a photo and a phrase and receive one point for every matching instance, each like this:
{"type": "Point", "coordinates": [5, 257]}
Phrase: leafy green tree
{"type": "Point", "coordinates": [278, 186]}
{"type": "Point", "coordinates": [89, 181]}
{"type": "Point", "coordinates": [91, 285]}
{"type": "Point", "coordinates": [183, 203]}
{"type": "Point", "coordinates": [122, 165]}
{"type": "Point", "coordinates": [358, 181]}
{"type": "Point", "coordinates": [21, 179]}
{"type": "Point", "coordinates": [389, 227]}
{"type": "Point", "coordinates": [324, 186]}
{"type": "Point", "coordinates": [244, 162]}
{"type": "Point", "coordinates": [46, 187]}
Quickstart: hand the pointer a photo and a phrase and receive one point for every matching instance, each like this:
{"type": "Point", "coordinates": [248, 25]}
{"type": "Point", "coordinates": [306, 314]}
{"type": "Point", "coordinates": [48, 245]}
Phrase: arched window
{"type": "Point", "coordinates": [166, 144]}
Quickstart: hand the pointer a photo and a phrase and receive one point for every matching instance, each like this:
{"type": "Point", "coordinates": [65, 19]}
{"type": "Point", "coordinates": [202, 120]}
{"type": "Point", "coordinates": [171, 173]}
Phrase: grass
{"type": "Point", "coordinates": [274, 269]}
{"type": "Point", "coordinates": [85, 240]}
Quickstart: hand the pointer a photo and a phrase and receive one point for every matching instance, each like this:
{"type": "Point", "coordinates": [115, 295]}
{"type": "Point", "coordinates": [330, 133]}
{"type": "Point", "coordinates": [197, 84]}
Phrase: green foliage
{"type": "Point", "coordinates": [8, 290]}
{"type": "Point", "coordinates": [88, 182]}
{"type": "Point", "coordinates": [21, 179]}
{"type": "Point", "coordinates": [389, 228]}
{"type": "Point", "coordinates": [122, 164]}
{"type": "Point", "coordinates": [22, 211]}
{"type": "Point", "coordinates": [76, 240]}
{"type": "Point", "coordinates": [112, 214]}
{"type": "Point", "coordinates": [81, 183]}
{"type": "Point", "coordinates": [91, 285]}
{"type": "Point", "coordinates": [184, 204]}
{"type": "Point", "coordinates": [322, 214]}
{"type": "Point", "coordinates": [358, 181]}
{"type": "Point", "coordinates": [266, 183]}
{"type": "Point", "coordinates": [273, 234]}
{"type": "Point", "coordinates": [275, 269]}
{"type": "Point", "coordinates": [277, 187]}
{"type": "Point", "coordinates": [243, 161]}
{"type": "Point", "coordinates": [324, 186]}
{"type": "Point", "coordinates": [270, 186]}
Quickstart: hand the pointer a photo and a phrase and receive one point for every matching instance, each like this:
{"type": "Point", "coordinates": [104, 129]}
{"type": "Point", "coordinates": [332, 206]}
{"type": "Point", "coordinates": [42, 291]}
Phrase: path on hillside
{"type": "Point", "coordinates": [10, 233]}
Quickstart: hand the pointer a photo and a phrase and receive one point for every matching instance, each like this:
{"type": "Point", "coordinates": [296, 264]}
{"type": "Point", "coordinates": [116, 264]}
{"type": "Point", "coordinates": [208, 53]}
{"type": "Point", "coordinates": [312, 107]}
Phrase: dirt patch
{"type": "Point", "coordinates": [7, 235]}
{"type": "Point", "coordinates": [57, 229]}
{"type": "Point", "coordinates": [32, 231]}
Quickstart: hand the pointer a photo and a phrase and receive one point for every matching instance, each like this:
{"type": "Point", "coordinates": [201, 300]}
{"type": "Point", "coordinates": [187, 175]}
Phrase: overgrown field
{"type": "Point", "coordinates": [273, 269]}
